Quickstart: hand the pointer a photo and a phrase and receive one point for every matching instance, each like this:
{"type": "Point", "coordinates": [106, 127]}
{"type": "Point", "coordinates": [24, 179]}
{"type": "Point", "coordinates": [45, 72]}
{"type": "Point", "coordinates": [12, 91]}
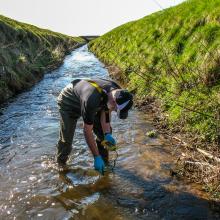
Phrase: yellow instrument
{"type": "Point", "coordinates": [109, 146]}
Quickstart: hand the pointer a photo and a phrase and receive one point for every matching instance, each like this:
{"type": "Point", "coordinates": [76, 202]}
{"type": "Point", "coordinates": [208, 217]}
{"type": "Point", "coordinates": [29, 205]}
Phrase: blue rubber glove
{"type": "Point", "coordinates": [99, 164]}
{"type": "Point", "coordinates": [109, 138]}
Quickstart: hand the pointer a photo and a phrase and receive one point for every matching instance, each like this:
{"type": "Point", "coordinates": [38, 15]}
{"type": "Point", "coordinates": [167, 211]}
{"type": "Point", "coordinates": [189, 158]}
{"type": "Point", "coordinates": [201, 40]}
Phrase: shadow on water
{"type": "Point", "coordinates": [167, 204]}
{"type": "Point", "coordinates": [142, 199]}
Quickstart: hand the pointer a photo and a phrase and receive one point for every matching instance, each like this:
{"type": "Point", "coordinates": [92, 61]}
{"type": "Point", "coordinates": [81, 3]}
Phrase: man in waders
{"type": "Point", "coordinates": [94, 100]}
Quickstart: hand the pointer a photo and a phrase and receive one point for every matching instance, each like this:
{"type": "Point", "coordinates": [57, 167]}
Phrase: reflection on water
{"type": "Point", "coordinates": [32, 187]}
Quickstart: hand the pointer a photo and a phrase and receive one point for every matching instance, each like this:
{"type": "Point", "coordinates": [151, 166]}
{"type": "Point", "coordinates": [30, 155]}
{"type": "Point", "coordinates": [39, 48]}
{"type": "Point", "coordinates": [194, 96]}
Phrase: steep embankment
{"type": "Point", "coordinates": [173, 56]}
{"type": "Point", "coordinates": [26, 52]}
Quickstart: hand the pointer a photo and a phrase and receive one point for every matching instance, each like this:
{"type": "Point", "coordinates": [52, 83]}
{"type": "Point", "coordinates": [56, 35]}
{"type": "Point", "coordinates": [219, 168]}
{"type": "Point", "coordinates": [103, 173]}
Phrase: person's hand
{"type": "Point", "coordinates": [110, 139]}
{"type": "Point", "coordinates": [99, 164]}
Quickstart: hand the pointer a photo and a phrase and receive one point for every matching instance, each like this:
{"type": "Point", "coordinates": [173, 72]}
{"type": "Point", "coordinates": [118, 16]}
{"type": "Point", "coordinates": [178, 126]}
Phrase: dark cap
{"type": "Point", "coordinates": [124, 100]}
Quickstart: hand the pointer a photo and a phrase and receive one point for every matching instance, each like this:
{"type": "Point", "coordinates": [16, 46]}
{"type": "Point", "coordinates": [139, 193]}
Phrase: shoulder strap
{"type": "Point", "coordinates": [102, 92]}
{"type": "Point", "coordinates": [93, 83]}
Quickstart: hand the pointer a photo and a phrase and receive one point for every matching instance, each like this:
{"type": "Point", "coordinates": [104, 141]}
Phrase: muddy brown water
{"type": "Point", "coordinates": [140, 186]}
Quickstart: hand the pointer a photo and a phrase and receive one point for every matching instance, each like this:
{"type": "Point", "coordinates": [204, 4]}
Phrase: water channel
{"type": "Point", "coordinates": [140, 187]}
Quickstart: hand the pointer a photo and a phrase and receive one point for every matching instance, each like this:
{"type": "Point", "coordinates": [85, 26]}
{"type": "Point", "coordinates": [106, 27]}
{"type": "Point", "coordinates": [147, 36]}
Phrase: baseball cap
{"type": "Point", "coordinates": [124, 101]}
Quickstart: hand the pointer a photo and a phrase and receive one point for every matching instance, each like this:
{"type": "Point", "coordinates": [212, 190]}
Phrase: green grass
{"type": "Point", "coordinates": [26, 52]}
{"type": "Point", "coordinates": [177, 53]}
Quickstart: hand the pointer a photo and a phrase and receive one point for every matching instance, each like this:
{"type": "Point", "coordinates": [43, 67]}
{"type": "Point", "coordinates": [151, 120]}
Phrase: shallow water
{"type": "Point", "coordinates": [140, 186]}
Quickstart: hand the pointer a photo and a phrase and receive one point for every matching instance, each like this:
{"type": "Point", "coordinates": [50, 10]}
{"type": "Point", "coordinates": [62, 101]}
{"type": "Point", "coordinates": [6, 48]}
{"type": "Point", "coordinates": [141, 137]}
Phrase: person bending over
{"type": "Point", "coordinates": [93, 100]}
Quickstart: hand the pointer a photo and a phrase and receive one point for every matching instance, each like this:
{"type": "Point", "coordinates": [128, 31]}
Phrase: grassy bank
{"type": "Point", "coordinates": [173, 57]}
{"type": "Point", "coordinates": [26, 52]}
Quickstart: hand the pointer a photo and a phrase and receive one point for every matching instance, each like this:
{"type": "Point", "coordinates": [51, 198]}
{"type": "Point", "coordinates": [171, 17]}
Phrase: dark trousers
{"type": "Point", "coordinates": [67, 129]}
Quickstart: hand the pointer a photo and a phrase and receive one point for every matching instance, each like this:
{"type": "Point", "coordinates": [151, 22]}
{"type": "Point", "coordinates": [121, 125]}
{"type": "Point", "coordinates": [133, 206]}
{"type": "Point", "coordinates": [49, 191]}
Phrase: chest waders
{"type": "Point", "coordinates": [106, 144]}
{"type": "Point", "coordinates": [67, 129]}
{"type": "Point", "coordinates": [101, 143]}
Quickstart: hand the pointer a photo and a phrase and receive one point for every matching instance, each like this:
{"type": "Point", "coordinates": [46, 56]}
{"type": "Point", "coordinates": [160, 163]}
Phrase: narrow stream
{"type": "Point", "coordinates": [140, 187]}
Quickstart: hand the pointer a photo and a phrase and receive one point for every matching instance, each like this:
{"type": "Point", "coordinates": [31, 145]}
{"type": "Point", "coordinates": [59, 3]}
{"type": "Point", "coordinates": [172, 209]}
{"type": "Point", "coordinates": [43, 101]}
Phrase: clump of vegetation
{"type": "Point", "coordinates": [22, 58]}
{"type": "Point", "coordinates": [58, 53]}
{"type": "Point", "coordinates": [26, 52]}
{"type": "Point", "coordinates": [152, 133]}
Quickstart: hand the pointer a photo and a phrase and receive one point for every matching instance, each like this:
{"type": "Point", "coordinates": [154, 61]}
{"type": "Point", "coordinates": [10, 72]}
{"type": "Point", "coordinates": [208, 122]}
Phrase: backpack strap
{"type": "Point", "coordinates": [94, 84]}
{"type": "Point", "coordinates": [102, 92]}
